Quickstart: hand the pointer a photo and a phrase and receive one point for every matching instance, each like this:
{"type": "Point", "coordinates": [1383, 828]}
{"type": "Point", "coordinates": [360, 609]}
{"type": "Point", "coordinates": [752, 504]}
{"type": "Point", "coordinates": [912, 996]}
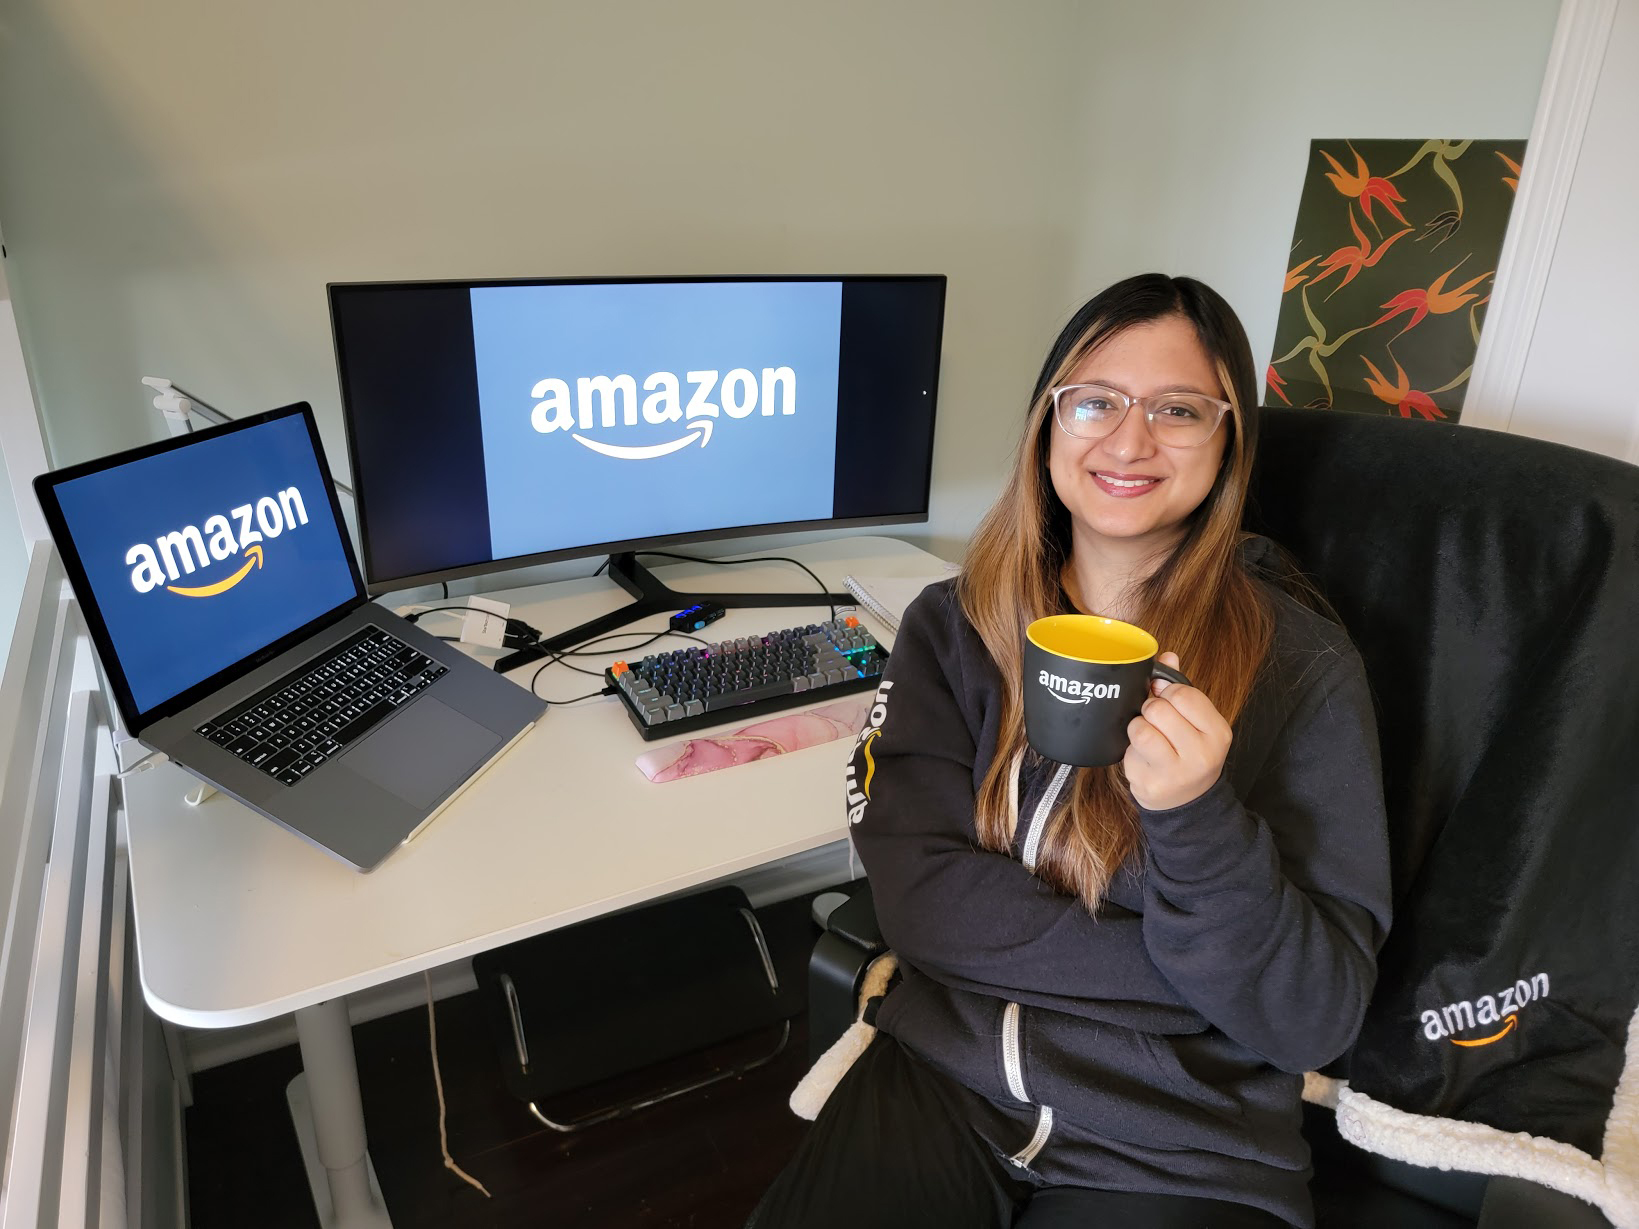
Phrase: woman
{"type": "Point", "coordinates": [1112, 979]}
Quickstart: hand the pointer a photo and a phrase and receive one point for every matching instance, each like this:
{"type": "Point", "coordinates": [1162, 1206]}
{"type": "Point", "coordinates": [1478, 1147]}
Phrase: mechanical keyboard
{"type": "Point", "coordinates": [674, 693]}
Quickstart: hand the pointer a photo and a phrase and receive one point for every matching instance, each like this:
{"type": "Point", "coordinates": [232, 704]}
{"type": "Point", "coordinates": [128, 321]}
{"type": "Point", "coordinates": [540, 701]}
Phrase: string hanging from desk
{"type": "Point", "coordinates": [438, 1083]}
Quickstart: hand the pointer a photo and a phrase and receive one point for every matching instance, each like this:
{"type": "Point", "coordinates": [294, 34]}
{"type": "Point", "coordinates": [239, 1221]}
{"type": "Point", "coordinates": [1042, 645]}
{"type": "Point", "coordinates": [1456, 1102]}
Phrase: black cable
{"type": "Point", "coordinates": [521, 635]}
{"type": "Point", "coordinates": [591, 695]}
{"type": "Point", "coordinates": [558, 660]}
{"type": "Point", "coordinates": [516, 634]}
{"type": "Point", "coordinates": [581, 650]}
{"type": "Point", "coordinates": [723, 563]}
{"type": "Point", "coordinates": [556, 657]}
{"type": "Point", "coordinates": [530, 638]}
{"type": "Point", "coordinates": [416, 614]}
{"type": "Point", "coordinates": [445, 585]}
{"type": "Point", "coordinates": [551, 660]}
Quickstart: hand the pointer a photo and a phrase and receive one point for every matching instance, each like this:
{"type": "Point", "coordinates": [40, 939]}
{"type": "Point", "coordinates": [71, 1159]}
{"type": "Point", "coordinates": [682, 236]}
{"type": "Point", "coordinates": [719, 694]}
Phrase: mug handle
{"type": "Point", "coordinates": [1158, 671]}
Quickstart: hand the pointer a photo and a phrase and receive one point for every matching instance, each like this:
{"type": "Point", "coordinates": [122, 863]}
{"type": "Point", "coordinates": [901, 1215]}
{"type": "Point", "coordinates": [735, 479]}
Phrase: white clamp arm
{"type": "Point", "coordinates": [172, 404]}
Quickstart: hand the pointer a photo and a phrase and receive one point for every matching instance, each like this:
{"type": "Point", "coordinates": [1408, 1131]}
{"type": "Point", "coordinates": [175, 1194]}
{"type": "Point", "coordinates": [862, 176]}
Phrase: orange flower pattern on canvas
{"type": "Point", "coordinates": [1390, 269]}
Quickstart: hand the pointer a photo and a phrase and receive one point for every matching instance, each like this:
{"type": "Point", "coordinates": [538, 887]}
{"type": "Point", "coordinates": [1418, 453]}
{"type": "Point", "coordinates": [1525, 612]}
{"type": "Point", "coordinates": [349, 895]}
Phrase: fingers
{"type": "Point", "coordinates": [1158, 686]}
{"type": "Point", "coordinates": [1193, 706]}
{"type": "Point", "coordinates": [1148, 740]}
{"type": "Point", "coordinates": [1166, 717]}
{"type": "Point", "coordinates": [1177, 745]}
{"type": "Point", "coordinates": [1183, 726]}
{"type": "Point", "coordinates": [1192, 702]}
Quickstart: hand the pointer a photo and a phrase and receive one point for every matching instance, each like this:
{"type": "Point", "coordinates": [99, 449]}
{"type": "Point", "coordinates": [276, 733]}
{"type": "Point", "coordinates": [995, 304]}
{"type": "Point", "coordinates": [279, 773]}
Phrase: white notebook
{"type": "Point", "coordinates": [887, 596]}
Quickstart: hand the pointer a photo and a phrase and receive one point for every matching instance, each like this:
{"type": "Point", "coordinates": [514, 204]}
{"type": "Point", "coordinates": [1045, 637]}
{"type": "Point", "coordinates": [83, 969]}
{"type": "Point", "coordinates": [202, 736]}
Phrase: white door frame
{"type": "Point", "coordinates": [1568, 87]}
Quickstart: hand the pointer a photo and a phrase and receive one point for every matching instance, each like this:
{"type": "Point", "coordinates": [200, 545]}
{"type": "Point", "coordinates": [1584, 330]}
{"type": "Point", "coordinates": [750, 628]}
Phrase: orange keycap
{"type": "Point", "coordinates": [850, 621]}
{"type": "Point", "coordinates": [619, 668]}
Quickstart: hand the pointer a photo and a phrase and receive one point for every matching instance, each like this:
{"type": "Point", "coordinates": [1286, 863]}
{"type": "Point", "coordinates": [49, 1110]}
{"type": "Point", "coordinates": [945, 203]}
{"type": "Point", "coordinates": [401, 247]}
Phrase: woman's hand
{"type": "Point", "coordinates": [1177, 745]}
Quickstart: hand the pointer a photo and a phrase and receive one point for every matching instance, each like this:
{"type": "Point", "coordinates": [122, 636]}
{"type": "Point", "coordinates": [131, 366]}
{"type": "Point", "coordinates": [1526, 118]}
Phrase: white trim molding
{"type": "Point", "coordinates": [21, 440]}
{"type": "Point", "coordinates": [1568, 86]}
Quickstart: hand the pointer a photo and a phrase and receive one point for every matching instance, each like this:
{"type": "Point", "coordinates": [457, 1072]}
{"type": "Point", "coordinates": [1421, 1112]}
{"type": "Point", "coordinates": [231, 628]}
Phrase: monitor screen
{"type": "Point", "coordinates": [497, 424]}
{"type": "Point", "coordinates": [196, 555]}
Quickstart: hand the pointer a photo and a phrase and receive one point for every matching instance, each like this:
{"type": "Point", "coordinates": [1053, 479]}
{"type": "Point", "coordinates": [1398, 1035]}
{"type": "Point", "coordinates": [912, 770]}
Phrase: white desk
{"type": "Point", "coordinates": [238, 921]}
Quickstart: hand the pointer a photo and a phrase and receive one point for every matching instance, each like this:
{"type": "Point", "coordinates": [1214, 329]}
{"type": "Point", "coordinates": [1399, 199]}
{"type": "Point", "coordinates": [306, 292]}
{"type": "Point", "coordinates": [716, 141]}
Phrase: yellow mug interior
{"type": "Point", "coordinates": [1091, 638]}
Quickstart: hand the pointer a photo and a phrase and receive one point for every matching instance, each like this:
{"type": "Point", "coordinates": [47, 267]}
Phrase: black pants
{"type": "Point", "coordinates": [892, 1150]}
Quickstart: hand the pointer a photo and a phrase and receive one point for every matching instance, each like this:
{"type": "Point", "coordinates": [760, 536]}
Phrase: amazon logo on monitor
{"type": "Point", "coordinates": [609, 403]}
{"type": "Point", "coordinates": [223, 550]}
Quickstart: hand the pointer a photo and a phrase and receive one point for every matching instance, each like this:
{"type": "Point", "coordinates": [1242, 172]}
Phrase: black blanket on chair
{"type": "Point", "coordinates": [1492, 585]}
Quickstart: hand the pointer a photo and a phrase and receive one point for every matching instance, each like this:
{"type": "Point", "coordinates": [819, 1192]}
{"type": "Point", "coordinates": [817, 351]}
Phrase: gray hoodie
{"type": "Point", "coordinates": [1160, 1044]}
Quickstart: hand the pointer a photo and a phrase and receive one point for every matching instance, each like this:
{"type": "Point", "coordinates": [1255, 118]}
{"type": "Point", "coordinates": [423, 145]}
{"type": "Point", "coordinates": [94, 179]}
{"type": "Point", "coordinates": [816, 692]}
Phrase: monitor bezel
{"type": "Point", "coordinates": [360, 482]}
{"type": "Point", "coordinates": [137, 719]}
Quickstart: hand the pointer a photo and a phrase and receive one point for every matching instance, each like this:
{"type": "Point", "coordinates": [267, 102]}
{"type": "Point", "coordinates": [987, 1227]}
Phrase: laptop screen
{"type": "Point", "coordinates": [203, 554]}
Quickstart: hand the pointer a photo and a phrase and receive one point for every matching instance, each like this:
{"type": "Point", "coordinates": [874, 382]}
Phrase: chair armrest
{"type": "Point", "coordinates": [854, 921]}
{"type": "Point", "coordinates": [837, 967]}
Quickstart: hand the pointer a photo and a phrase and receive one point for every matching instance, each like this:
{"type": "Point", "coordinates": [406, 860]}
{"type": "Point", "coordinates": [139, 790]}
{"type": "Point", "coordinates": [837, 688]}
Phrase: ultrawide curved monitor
{"type": "Point", "coordinates": [498, 424]}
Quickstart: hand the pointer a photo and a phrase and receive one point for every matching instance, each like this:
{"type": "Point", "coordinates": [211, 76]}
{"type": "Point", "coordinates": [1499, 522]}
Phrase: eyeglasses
{"type": "Point", "coordinates": [1178, 420]}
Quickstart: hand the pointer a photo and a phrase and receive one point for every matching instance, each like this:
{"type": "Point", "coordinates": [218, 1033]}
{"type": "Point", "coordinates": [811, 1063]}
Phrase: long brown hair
{"type": "Point", "coordinates": [1201, 603]}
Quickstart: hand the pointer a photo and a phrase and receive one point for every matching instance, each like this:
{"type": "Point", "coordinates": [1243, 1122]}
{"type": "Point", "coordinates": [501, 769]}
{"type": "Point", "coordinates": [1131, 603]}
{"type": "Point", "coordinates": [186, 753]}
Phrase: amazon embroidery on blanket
{"type": "Point", "coordinates": [1610, 1182]}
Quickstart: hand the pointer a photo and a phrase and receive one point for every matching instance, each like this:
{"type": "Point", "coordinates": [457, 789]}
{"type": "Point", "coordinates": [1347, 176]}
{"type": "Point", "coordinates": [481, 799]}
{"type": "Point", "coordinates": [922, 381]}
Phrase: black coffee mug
{"type": "Point", "coordinates": [1085, 679]}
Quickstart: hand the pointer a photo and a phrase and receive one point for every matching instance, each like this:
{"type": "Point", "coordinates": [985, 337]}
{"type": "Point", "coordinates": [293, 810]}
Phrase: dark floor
{"type": "Point", "coordinates": [699, 1161]}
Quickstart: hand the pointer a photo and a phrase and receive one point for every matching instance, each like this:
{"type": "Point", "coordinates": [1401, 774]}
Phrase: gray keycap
{"type": "Point", "coordinates": [693, 708]}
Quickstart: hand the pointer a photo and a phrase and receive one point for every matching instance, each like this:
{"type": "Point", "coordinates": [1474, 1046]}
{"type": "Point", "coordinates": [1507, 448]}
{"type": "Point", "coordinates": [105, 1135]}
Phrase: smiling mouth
{"type": "Point", "coordinates": [1125, 484]}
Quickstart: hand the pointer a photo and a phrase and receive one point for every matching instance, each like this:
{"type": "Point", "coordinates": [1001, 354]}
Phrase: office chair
{"type": "Point", "coordinates": [1491, 583]}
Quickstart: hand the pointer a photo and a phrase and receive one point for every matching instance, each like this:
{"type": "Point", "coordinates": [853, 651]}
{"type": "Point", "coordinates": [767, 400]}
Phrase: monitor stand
{"type": "Point", "coordinates": [653, 596]}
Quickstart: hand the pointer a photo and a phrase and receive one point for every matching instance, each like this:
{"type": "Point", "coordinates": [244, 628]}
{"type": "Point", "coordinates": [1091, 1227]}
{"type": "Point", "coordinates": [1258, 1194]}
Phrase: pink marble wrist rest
{"type": "Point", "coordinates": [775, 736]}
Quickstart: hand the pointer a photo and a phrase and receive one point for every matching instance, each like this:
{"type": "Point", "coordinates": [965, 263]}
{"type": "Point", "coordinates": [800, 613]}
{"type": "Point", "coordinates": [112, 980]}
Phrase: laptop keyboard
{"type": "Point", "coordinates": [312, 714]}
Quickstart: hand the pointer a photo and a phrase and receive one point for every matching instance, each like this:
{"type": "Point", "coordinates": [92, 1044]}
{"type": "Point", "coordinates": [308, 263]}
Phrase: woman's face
{"type": "Point", "coordinates": [1126, 486]}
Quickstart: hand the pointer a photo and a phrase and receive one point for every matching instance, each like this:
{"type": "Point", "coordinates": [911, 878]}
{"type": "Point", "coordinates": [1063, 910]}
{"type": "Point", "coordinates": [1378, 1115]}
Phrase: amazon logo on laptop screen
{"type": "Point", "coordinates": [203, 555]}
{"type": "Point", "coordinates": [184, 551]}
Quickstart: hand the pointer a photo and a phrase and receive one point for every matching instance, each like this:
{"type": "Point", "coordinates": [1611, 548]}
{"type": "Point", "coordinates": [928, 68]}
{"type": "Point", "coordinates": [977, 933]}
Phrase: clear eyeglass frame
{"type": "Point", "coordinates": [1200, 422]}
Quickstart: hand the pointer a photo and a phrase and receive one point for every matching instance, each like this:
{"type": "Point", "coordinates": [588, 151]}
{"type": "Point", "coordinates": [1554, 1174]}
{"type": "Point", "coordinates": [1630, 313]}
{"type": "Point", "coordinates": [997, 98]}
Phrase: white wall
{"type": "Point", "coordinates": [1199, 119]}
{"type": "Point", "coordinates": [178, 181]}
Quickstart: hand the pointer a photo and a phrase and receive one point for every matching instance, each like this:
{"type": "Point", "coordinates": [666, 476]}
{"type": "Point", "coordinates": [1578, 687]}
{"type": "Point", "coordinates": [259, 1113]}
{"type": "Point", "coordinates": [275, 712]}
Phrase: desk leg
{"type": "Point", "coordinates": [328, 1112]}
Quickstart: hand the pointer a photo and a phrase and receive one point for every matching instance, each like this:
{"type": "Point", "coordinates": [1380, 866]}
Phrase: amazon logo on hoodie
{"type": "Point", "coordinates": [859, 788]}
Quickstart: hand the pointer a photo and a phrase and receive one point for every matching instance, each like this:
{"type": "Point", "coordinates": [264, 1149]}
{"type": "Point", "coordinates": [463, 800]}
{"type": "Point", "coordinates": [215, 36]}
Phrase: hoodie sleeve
{"type": "Point", "coordinates": [1267, 916]}
{"type": "Point", "coordinates": [972, 919]}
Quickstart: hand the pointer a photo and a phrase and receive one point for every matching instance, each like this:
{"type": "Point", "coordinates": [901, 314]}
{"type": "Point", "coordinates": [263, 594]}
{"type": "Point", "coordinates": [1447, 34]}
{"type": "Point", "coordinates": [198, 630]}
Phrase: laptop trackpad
{"type": "Point", "coordinates": [423, 753]}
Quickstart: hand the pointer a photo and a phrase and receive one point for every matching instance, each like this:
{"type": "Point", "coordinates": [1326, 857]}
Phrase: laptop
{"type": "Point", "coordinates": [224, 601]}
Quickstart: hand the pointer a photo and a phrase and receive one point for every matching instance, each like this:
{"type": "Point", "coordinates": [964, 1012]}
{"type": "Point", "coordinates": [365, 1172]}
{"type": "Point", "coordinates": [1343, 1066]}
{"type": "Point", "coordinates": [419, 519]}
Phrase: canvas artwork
{"type": "Point", "coordinates": [1390, 269]}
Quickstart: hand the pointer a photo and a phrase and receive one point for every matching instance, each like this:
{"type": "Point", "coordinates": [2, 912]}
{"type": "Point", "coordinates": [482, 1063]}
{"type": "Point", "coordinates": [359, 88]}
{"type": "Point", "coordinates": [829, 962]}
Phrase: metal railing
{"type": "Point", "coordinates": [81, 1076]}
